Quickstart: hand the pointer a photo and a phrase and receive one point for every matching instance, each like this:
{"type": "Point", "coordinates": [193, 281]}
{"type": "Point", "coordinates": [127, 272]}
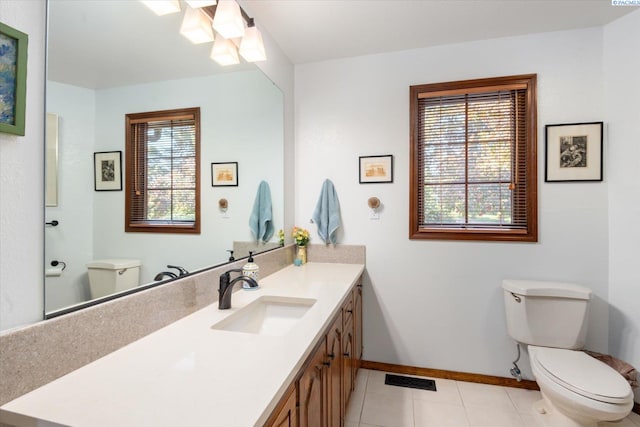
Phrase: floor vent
{"type": "Point", "coordinates": [410, 382]}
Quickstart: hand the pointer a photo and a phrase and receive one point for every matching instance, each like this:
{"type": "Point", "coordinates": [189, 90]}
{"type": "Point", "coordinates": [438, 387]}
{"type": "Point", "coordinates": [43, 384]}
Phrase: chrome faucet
{"type": "Point", "coordinates": [226, 287]}
{"type": "Point", "coordinates": [162, 274]}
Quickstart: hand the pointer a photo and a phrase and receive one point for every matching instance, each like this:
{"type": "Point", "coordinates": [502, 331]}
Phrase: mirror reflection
{"type": "Point", "coordinates": [110, 59]}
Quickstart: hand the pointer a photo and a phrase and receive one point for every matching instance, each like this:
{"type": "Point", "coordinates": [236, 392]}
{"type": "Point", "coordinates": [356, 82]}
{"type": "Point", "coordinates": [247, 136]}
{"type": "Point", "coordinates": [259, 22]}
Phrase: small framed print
{"type": "Point", "coordinates": [13, 79]}
{"type": "Point", "coordinates": [107, 168]}
{"type": "Point", "coordinates": [224, 174]}
{"type": "Point", "coordinates": [376, 169]}
{"type": "Point", "coordinates": [573, 152]}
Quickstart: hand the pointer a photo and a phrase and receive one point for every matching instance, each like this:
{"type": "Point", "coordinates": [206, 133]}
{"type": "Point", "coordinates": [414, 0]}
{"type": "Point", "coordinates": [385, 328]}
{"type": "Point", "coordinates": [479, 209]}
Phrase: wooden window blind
{"type": "Point", "coordinates": [163, 172]}
{"type": "Point", "coordinates": [473, 160]}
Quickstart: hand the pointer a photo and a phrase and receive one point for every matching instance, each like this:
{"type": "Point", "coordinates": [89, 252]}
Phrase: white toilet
{"type": "Point", "coordinates": [108, 276]}
{"type": "Point", "coordinates": [577, 390]}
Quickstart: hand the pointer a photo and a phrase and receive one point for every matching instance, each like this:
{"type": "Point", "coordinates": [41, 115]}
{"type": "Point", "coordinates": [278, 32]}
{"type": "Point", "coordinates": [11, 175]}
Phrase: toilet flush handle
{"type": "Point", "coordinates": [516, 297]}
{"type": "Point", "coordinates": [124, 270]}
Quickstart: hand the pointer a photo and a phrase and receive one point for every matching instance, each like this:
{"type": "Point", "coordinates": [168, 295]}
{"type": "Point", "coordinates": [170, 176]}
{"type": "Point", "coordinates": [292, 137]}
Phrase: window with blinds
{"type": "Point", "coordinates": [163, 171]}
{"type": "Point", "coordinates": [473, 160]}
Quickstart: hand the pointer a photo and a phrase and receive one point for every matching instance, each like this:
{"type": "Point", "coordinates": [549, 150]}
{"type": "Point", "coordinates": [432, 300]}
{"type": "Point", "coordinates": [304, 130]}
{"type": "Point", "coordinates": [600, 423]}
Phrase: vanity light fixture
{"type": "Point", "coordinates": [227, 20]}
{"type": "Point", "coordinates": [251, 46]}
{"type": "Point", "coordinates": [162, 7]}
{"type": "Point", "coordinates": [200, 3]}
{"type": "Point", "coordinates": [196, 26]}
{"type": "Point", "coordinates": [224, 52]}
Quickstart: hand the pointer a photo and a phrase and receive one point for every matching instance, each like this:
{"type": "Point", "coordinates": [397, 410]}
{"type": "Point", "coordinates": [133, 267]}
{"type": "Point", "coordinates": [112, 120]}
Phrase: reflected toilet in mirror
{"type": "Point", "coordinates": [108, 276]}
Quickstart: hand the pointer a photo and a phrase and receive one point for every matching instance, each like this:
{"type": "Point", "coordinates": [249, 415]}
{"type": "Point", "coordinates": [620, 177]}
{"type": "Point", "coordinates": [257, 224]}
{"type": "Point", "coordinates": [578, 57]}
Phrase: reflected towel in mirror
{"type": "Point", "coordinates": [261, 219]}
{"type": "Point", "coordinates": [327, 213]}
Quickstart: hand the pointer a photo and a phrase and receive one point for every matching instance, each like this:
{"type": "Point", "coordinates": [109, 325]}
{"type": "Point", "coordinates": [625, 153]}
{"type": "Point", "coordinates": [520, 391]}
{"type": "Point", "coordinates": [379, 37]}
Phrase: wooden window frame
{"type": "Point", "coordinates": [419, 231]}
{"type": "Point", "coordinates": [149, 227]}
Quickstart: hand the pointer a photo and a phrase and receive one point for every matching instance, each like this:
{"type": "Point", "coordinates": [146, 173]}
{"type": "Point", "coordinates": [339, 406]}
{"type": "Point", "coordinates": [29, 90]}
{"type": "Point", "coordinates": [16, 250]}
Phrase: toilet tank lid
{"type": "Point", "coordinates": [546, 289]}
{"type": "Point", "coordinates": [114, 264]}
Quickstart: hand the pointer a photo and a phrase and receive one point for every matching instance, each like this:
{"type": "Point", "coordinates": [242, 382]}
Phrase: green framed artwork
{"type": "Point", "coordinates": [13, 79]}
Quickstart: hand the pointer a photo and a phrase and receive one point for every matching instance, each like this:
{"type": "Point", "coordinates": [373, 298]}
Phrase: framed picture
{"type": "Point", "coordinates": [573, 152]}
{"type": "Point", "coordinates": [13, 79]}
{"type": "Point", "coordinates": [224, 174]}
{"type": "Point", "coordinates": [376, 169]}
{"type": "Point", "coordinates": [107, 168]}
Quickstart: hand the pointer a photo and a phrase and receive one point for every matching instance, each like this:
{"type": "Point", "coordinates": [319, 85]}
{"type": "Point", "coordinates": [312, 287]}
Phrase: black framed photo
{"type": "Point", "coordinates": [107, 168]}
{"type": "Point", "coordinates": [573, 152]}
{"type": "Point", "coordinates": [13, 79]}
{"type": "Point", "coordinates": [376, 169]}
{"type": "Point", "coordinates": [224, 174]}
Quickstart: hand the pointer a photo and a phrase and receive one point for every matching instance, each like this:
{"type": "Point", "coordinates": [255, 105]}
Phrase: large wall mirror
{"type": "Point", "coordinates": [110, 58]}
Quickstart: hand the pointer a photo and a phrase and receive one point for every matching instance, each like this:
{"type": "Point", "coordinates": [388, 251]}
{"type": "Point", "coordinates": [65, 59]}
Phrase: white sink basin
{"type": "Point", "coordinates": [268, 315]}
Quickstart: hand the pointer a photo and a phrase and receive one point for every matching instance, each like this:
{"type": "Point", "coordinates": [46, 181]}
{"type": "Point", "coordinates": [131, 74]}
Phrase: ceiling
{"type": "Point", "coordinates": [107, 43]}
{"type": "Point", "coordinates": [317, 30]}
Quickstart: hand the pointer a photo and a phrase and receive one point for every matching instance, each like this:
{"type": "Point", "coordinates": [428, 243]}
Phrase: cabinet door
{"type": "Point", "coordinates": [312, 391]}
{"type": "Point", "coordinates": [347, 362]}
{"type": "Point", "coordinates": [288, 414]}
{"type": "Point", "coordinates": [357, 323]}
{"type": "Point", "coordinates": [334, 373]}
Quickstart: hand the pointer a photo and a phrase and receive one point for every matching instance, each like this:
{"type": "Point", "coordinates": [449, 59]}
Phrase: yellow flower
{"type": "Point", "coordinates": [301, 236]}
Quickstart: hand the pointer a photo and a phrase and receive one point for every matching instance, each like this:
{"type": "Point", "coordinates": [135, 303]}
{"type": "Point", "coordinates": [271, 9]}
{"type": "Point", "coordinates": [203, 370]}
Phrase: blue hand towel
{"type": "Point", "coordinates": [327, 213]}
{"type": "Point", "coordinates": [261, 219]}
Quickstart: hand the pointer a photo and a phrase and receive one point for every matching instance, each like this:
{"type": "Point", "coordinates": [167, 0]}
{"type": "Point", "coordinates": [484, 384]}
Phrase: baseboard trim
{"type": "Point", "coordinates": [450, 375]}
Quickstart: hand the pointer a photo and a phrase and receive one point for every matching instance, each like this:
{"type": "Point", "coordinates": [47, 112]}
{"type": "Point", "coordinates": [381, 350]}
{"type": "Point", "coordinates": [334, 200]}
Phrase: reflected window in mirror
{"type": "Point", "coordinates": [163, 171]}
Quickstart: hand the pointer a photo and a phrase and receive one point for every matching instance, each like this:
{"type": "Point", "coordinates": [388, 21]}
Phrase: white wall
{"type": "Point", "coordinates": [439, 304]}
{"type": "Point", "coordinates": [622, 90]}
{"type": "Point", "coordinates": [21, 182]}
{"type": "Point", "coordinates": [72, 240]}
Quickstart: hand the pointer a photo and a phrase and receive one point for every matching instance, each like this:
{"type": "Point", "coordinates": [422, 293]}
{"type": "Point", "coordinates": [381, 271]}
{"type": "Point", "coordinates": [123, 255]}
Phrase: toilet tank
{"type": "Point", "coordinates": [548, 314]}
{"type": "Point", "coordinates": [108, 276]}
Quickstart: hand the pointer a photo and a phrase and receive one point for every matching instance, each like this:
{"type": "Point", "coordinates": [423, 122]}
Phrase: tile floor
{"type": "Point", "coordinates": [454, 404]}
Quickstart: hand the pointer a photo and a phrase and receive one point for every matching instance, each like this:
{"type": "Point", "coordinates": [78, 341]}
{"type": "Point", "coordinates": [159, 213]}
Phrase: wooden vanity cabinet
{"type": "Point", "coordinates": [348, 371]}
{"type": "Point", "coordinates": [313, 390]}
{"type": "Point", "coordinates": [335, 406]}
{"type": "Point", "coordinates": [286, 414]}
{"type": "Point", "coordinates": [325, 383]}
{"type": "Point", "coordinates": [357, 325]}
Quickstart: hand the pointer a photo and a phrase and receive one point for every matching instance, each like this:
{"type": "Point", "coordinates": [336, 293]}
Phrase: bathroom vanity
{"type": "Point", "coordinates": [290, 348]}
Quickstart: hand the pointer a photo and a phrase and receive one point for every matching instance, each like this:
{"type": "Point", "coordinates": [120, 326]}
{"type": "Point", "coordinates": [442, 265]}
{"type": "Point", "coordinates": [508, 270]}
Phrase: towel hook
{"type": "Point", "coordinates": [373, 203]}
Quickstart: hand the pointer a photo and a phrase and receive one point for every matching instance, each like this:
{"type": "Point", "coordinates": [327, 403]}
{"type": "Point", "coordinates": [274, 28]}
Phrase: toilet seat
{"type": "Point", "coordinates": [582, 374]}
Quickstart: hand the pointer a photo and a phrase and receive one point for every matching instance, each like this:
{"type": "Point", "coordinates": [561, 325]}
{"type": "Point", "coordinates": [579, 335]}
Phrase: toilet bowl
{"type": "Point", "coordinates": [578, 390]}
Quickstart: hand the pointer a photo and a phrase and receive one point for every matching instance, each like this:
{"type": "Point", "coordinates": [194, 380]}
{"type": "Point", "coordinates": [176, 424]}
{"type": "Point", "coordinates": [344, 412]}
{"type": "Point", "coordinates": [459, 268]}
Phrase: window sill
{"type": "Point", "coordinates": [163, 228]}
{"type": "Point", "coordinates": [471, 234]}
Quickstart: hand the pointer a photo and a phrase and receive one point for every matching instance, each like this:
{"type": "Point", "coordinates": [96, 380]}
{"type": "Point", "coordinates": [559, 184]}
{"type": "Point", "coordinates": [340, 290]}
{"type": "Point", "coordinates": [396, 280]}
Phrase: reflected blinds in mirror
{"type": "Point", "coordinates": [163, 171]}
